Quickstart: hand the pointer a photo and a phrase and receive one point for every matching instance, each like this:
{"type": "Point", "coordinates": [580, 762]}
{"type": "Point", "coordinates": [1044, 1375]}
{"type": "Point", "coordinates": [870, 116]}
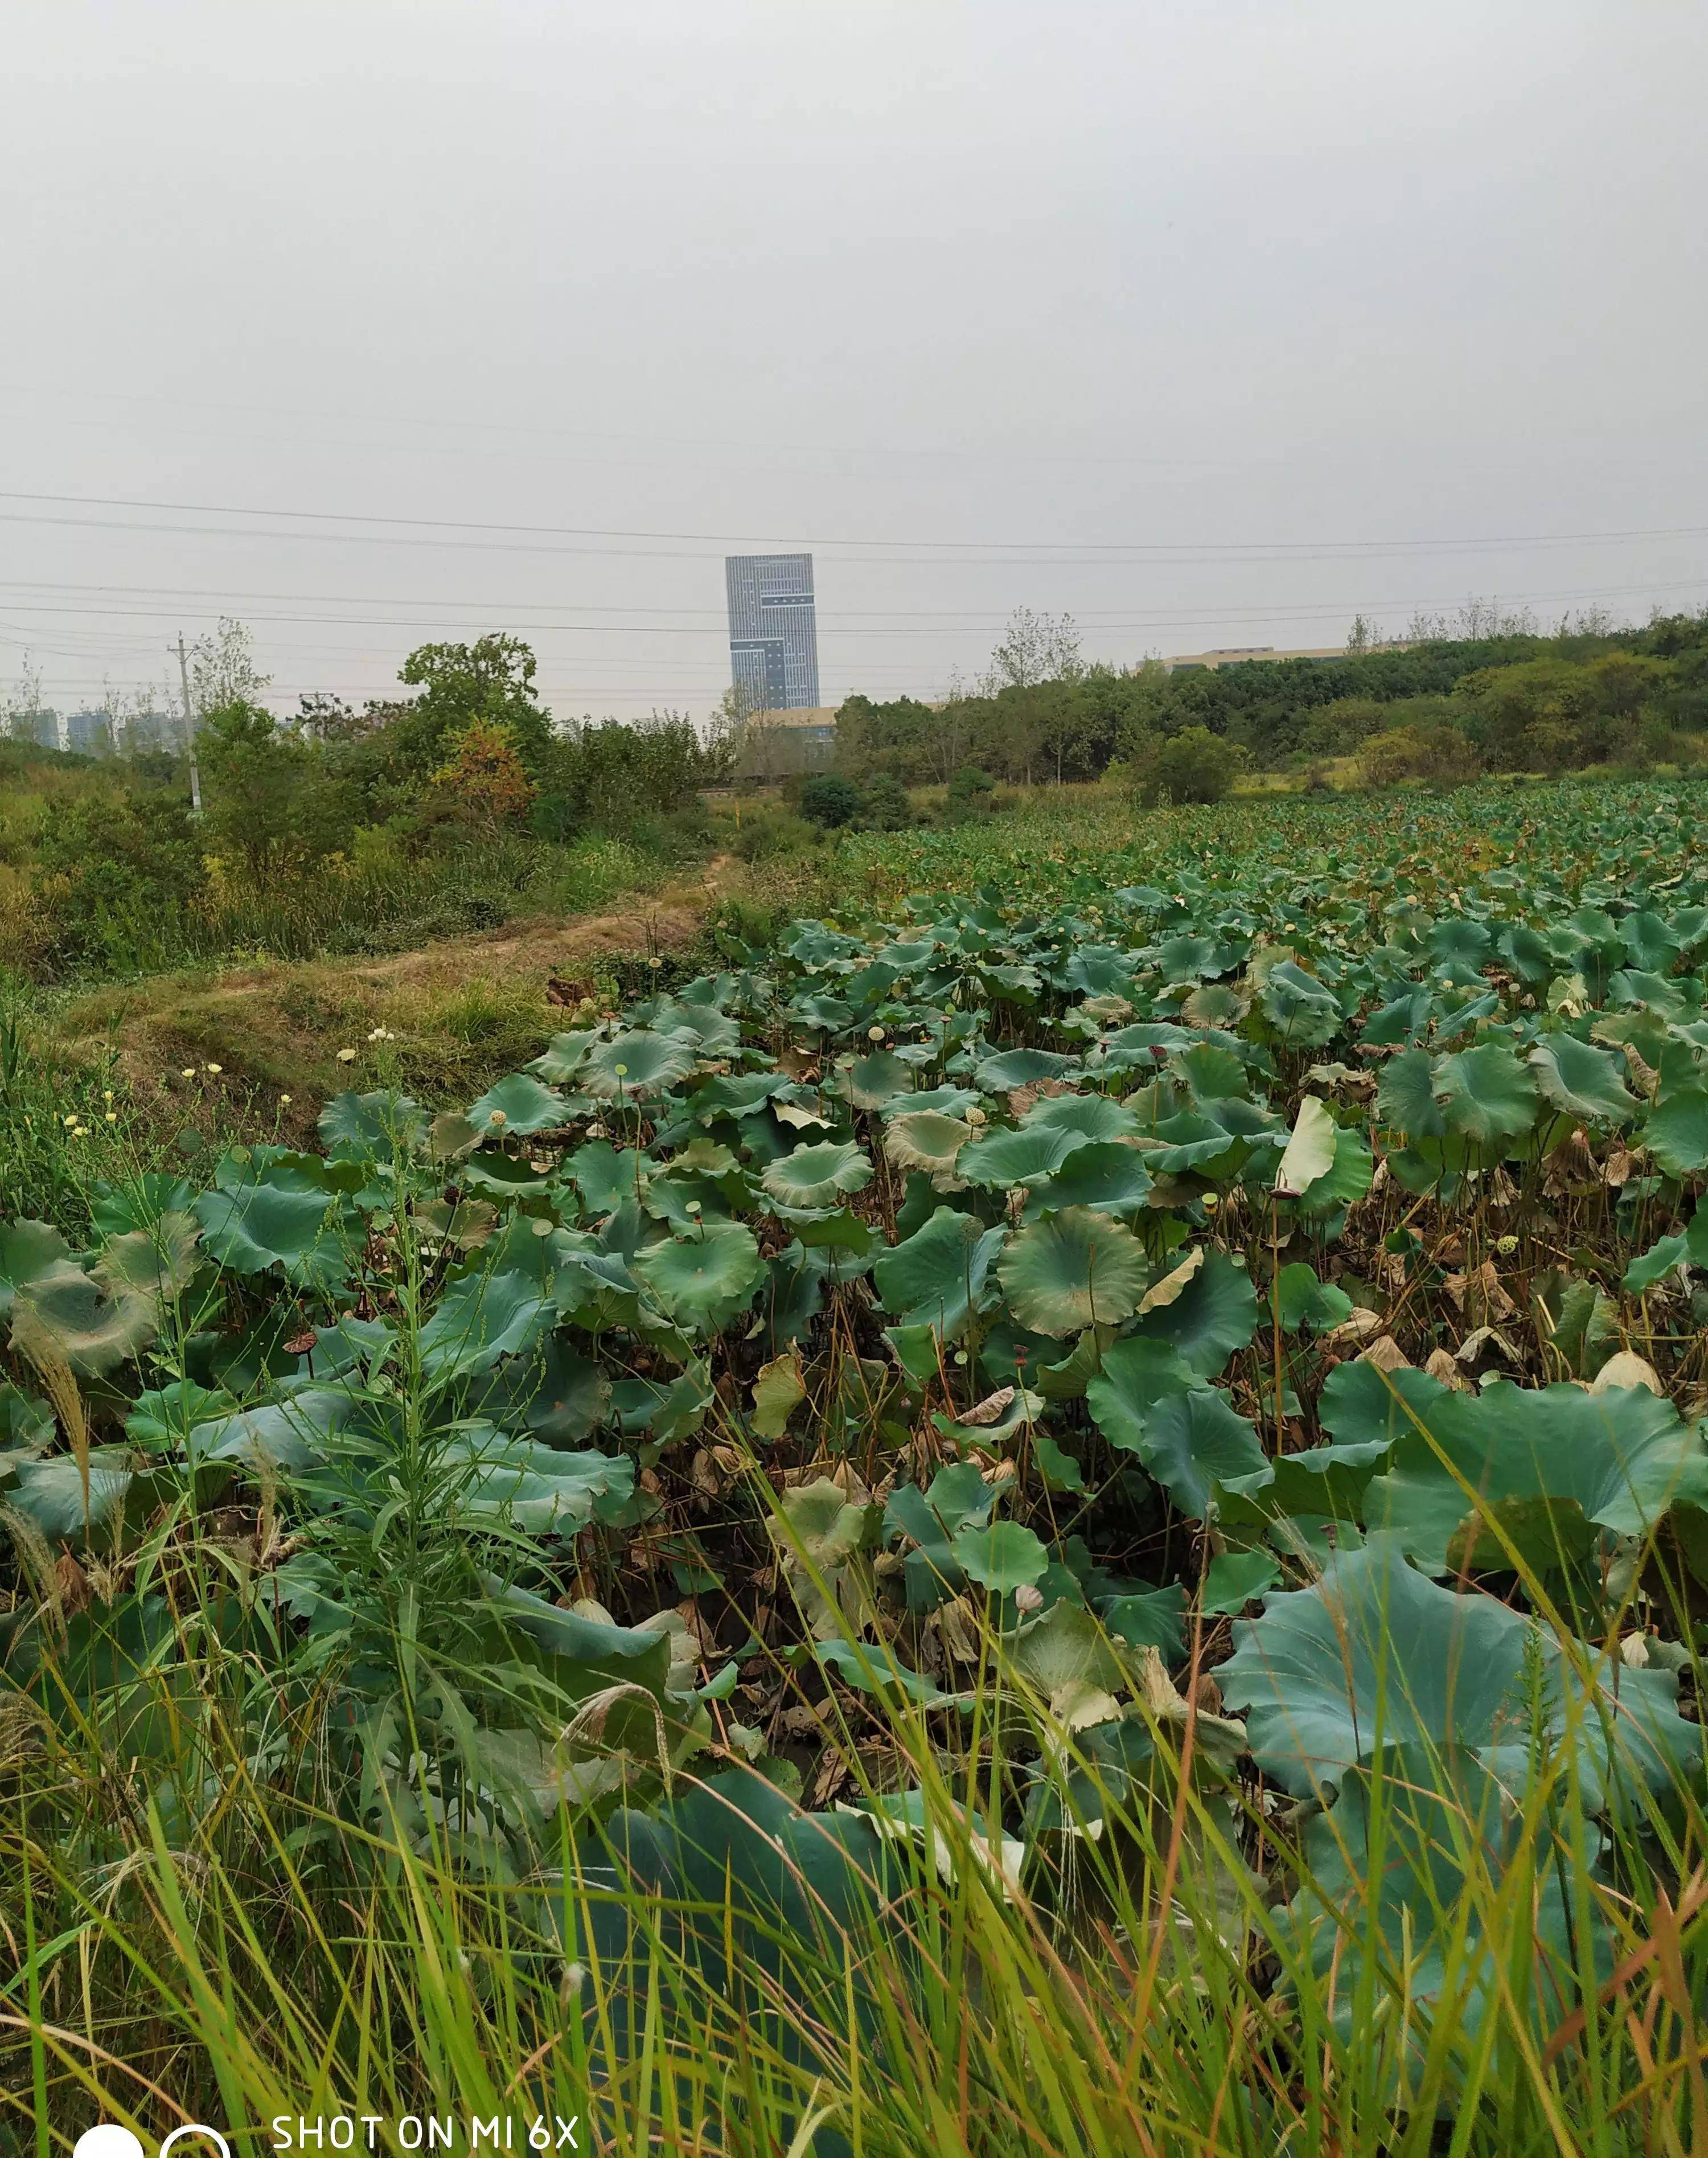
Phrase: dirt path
{"type": "Point", "coordinates": [457, 1013]}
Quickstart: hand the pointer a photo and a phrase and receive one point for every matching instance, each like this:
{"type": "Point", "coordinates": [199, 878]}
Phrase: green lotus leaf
{"type": "Point", "coordinates": [1375, 1655]}
{"type": "Point", "coordinates": [1025, 1155]}
{"type": "Point", "coordinates": [556, 1394]}
{"type": "Point", "coordinates": [1582, 1081]}
{"type": "Point", "coordinates": [1299, 1300]}
{"type": "Point", "coordinates": [377, 1127]}
{"type": "Point", "coordinates": [705, 1280]}
{"type": "Point", "coordinates": [117, 1209]}
{"type": "Point", "coordinates": [1137, 1377]}
{"type": "Point", "coordinates": [1062, 1647]}
{"type": "Point", "coordinates": [635, 1065]}
{"type": "Point", "coordinates": [1485, 1093]}
{"type": "Point", "coordinates": [958, 1499]}
{"type": "Point", "coordinates": [1014, 1068]}
{"type": "Point", "coordinates": [252, 1228]}
{"type": "Point", "coordinates": [1106, 1175]}
{"type": "Point", "coordinates": [536, 1488]}
{"type": "Point", "coordinates": [518, 1105]}
{"type": "Point", "coordinates": [1405, 1100]}
{"type": "Point", "coordinates": [486, 1311]}
{"type": "Point", "coordinates": [565, 1054]}
{"type": "Point", "coordinates": [1077, 1269]}
{"type": "Point", "coordinates": [1676, 1131]}
{"type": "Point", "coordinates": [27, 1424]}
{"type": "Point", "coordinates": [1188, 958]}
{"type": "Point", "coordinates": [925, 1140]}
{"type": "Point", "coordinates": [1193, 1440]}
{"type": "Point", "coordinates": [1544, 1468]}
{"type": "Point", "coordinates": [1301, 1008]}
{"type": "Point", "coordinates": [937, 1276]}
{"type": "Point", "coordinates": [51, 1496]}
{"type": "Point", "coordinates": [606, 1175]}
{"type": "Point", "coordinates": [1215, 1313]}
{"type": "Point", "coordinates": [1155, 1619]}
{"type": "Point", "coordinates": [1446, 1827]}
{"type": "Point", "coordinates": [28, 1251]}
{"type": "Point", "coordinates": [1233, 1579]}
{"type": "Point", "coordinates": [1364, 1408]}
{"type": "Point", "coordinates": [1001, 1557]}
{"type": "Point", "coordinates": [871, 1081]}
{"type": "Point", "coordinates": [97, 1321]}
{"type": "Point", "coordinates": [816, 1176]}
{"type": "Point", "coordinates": [1092, 1115]}
{"type": "Point", "coordinates": [820, 1536]}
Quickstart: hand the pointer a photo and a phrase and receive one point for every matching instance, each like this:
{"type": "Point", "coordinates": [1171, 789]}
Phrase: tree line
{"type": "Point", "coordinates": [1443, 705]}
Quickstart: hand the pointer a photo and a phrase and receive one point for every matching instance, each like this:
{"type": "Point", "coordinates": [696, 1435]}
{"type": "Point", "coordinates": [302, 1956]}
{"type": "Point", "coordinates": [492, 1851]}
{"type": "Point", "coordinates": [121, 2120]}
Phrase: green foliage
{"type": "Point", "coordinates": [829, 801]}
{"type": "Point", "coordinates": [1193, 766]}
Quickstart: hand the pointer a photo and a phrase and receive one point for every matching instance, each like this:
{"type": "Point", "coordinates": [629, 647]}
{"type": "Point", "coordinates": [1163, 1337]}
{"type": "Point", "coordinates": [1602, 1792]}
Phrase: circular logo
{"type": "Point", "coordinates": [109, 2141]}
{"type": "Point", "coordinates": [190, 2127]}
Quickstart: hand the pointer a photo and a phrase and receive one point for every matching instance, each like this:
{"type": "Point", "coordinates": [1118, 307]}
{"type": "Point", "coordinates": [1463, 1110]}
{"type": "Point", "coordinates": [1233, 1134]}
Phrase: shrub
{"type": "Point", "coordinates": [972, 793]}
{"type": "Point", "coordinates": [1441, 754]}
{"type": "Point", "coordinates": [885, 806]}
{"type": "Point", "coordinates": [774, 832]}
{"type": "Point", "coordinates": [829, 801]}
{"type": "Point", "coordinates": [1193, 765]}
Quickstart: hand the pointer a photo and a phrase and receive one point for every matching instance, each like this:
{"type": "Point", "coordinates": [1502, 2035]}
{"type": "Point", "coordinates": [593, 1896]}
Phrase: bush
{"type": "Point", "coordinates": [972, 793]}
{"type": "Point", "coordinates": [774, 832]}
{"type": "Point", "coordinates": [1441, 754]}
{"type": "Point", "coordinates": [1193, 765]}
{"type": "Point", "coordinates": [885, 806]}
{"type": "Point", "coordinates": [829, 801]}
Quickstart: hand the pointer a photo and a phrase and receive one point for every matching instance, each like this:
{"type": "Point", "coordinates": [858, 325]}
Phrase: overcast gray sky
{"type": "Point", "coordinates": [1210, 323]}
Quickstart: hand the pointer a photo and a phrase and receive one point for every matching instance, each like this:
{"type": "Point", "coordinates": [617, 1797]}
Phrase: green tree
{"type": "Point", "coordinates": [490, 680]}
{"type": "Point", "coordinates": [1194, 765]}
{"type": "Point", "coordinates": [829, 801]}
{"type": "Point", "coordinates": [271, 798]}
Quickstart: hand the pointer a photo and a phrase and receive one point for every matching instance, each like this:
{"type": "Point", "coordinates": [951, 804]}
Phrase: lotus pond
{"type": "Point", "coordinates": [1113, 1430]}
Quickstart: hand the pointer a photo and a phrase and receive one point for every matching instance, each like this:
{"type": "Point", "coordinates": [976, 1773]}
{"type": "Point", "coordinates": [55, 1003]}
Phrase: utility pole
{"type": "Point", "coordinates": [189, 728]}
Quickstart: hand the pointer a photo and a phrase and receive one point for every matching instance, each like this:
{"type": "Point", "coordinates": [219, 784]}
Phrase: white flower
{"type": "Point", "coordinates": [347, 1057]}
{"type": "Point", "coordinates": [1028, 1599]}
{"type": "Point", "coordinates": [112, 1115]}
{"type": "Point", "coordinates": [70, 1123]}
{"type": "Point", "coordinates": [189, 1071]}
{"type": "Point", "coordinates": [107, 1094]}
{"type": "Point", "coordinates": [215, 1069]}
{"type": "Point", "coordinates": [284, 1101]}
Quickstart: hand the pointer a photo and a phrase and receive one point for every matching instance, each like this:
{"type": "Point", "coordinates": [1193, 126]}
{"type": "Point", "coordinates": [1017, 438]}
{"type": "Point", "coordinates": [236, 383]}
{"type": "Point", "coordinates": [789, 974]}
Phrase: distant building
{"type": "Point", "coordinates": [773, 630]}
{"type": "Point", "coordinates": [1244, 655]}
{"type": "Point", "coordinates": [144, 733]}
{"type": "Point", "coordinates": [39, 727]}
{"type": "Point", "coordinates": [776, 744]}
{"type": "Point", "coordinates": [89, 733]}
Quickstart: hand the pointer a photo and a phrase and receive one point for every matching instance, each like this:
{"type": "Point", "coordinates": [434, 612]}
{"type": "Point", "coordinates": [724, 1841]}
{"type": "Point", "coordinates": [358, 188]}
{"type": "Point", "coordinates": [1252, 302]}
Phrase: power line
{"type": "Point", "coordinates": [1190, 549]}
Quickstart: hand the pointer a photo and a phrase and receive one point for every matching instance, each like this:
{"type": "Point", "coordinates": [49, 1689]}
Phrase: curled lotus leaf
{"type": "Point", "coordinates": [1013, 1068]}
{"type": "Point", "coordinates": [704, 1280]}
{"type": "Point", "coordinates": [1022, 1157]}
{"type": "Point", "coordinates": [28, 1251]}
{"type": "Point", "coordinates": [1078, 1268]}
{"type": "Point", "coordinates": [1583, 1081]}
{"type": "Point", "coordinates": [1105, 1174]}
{"type": "Point", "coordinates": [379, 1127]}
{"type": "Point", "coordinates": [565, 1054]}
{"type": "Point", "coordinates": [635, 1065]}
{"type": "Point", "coordinates": [816, 1176]}
{"type": "Point", "coordinates": [925, 1140]}
{"type": "Point", "coordinates": [518, 1105]}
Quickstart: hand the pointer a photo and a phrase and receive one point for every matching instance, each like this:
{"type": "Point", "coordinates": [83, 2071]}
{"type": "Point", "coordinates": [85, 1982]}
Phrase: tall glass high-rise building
{"type": "Point", "coordinates": [773, 630]}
